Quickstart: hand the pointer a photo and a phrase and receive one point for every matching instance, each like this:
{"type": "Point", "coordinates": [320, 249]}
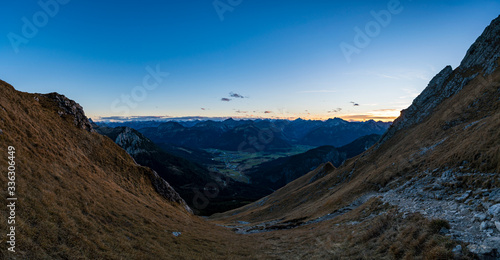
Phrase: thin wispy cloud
{"type": "Point", "coordinates": [268, 112]}
{"type": "Point", "coordinates": [411, 93]}
{"type": "Point", "coordinates": [335, 110]}
{"type": "Point", "coordinates": [381, 75]}
{"type": "Point", "coordinates": [225, 99]}
{"type": "Point", "coordinates": [318, 91]}
{"type": "Point", "coordinates": [354, 104]}
{"type": "Point", "coordinates": [139, 118]}
{"type": "Point", "coordinates": [397, 74]}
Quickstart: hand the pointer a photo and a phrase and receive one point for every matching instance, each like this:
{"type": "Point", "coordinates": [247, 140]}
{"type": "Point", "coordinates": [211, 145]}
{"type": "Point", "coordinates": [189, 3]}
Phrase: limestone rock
{"type": "Point", "coordinates": [480, 217]}
{"type": "Point", "coordinates": [69, 107]}
{"type": "Point", "coordinates": [494, 210]}
{"type": "Point", "coordinates": [495, 196]}
{"type": "Point", "coordinates": [165, 190]}
{"type": "Point", "coordinates": [484, 53]}
{"type": "Point", "coordinates": [130, 140]}
{"type": "Point", "coordinates": [457, 251]}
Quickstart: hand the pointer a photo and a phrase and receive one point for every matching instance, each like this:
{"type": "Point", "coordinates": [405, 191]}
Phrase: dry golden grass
{"type": "Point", "coordinates": [361, 235]}
{"type": "Point", "coordinates": [82, 197]}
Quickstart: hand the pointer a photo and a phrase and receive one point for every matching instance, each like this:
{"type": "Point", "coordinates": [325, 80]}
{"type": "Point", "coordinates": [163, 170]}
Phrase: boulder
{"type": "Point", "coordinates": [494, 210]}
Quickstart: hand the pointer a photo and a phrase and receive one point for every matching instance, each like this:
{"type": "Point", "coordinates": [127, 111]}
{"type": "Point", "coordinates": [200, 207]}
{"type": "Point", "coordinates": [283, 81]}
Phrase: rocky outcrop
{"type": "Point", "coordinates": [135, 144]}
{"type": "Point", "coordinates": [165, 190]}
{"type": "Point", "coordinates": [484, 53]}
{"type": "Point", "coordinates": [482, 56]}
{"type": "Point", "coordinates": [437, 194]}
{"type": "Point", "coordinates": [444, 85]}
{"type": "Point", "coordinates": [68, 107]}
{"type": "Point", "coordinates": [130, 140]}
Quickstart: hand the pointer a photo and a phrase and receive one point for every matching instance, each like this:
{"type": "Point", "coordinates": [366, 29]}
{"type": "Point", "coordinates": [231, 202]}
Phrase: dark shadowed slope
{"type": "Point", "coordinates": [188, 178]}
{"type": "Point", "coordinates": [277, 173]}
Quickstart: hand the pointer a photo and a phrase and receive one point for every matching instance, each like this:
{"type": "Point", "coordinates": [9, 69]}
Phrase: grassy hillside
{"type": "Point", "coordinates": [80, 196]}
{"type": "Point", "coordinates": [83, 197]}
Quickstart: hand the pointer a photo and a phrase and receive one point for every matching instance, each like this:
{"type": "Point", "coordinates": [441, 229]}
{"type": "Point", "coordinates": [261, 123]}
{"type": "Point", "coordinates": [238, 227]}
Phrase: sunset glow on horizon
{"type": "Point", "coordinates": [357, 60]}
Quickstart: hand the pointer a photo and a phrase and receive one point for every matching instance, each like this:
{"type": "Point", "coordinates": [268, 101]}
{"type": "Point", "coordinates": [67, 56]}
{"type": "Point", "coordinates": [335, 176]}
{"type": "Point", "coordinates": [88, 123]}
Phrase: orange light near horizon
{"type": "Point", "coordinates": [368, 117]}
{"type": "Point", "coordinates": [385, 115]}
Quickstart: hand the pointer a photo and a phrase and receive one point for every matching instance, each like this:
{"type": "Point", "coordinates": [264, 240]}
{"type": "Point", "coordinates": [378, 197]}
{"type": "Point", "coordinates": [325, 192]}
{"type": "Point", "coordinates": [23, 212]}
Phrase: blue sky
{"type": "Point", "coordinates": [278, 58]}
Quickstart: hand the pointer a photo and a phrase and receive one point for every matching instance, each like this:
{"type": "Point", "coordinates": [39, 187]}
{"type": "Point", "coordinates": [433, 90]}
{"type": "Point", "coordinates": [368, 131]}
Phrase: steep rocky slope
{"type": "Point", "coordinates": [80, 196]}
{"type": "Point", "coordinates": [444, 151]}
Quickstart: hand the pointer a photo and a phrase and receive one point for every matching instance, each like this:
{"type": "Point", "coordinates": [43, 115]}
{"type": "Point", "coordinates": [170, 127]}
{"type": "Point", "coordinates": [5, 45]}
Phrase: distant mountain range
{"type": "Point", "coordinates": [255, 135]}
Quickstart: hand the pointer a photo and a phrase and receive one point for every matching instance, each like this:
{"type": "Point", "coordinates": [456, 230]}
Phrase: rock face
{"type": "Point", "coordinates": [484, 53]}
{"type": "Point", "coordinates": [135, 144]}
{"type": "Point", "coordinates": [495, 210]}
{"type": "Point", "coordinates": [130, 141]}
{"type": "Point", "coordinates": [165, 190]}
{"type": "Point", "coordinates": [68, 107]}
{"type": "Point", "coordinates": [424, 104]}
{"type": "Point", "coordinates": [482, 56]}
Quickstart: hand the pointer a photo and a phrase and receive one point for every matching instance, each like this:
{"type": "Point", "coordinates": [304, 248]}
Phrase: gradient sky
{"type": "Point", "coordinates": [282, 57]}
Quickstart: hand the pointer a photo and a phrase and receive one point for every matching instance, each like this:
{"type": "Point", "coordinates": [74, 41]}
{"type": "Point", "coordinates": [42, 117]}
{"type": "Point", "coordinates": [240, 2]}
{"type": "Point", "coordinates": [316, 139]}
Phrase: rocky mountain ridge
{"type": "Point", "coordinates": [482, 56]}
{"type": "Point", "coordinates": [235, 135]}
{"type": "Point", "coordinates": [69, 108]}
